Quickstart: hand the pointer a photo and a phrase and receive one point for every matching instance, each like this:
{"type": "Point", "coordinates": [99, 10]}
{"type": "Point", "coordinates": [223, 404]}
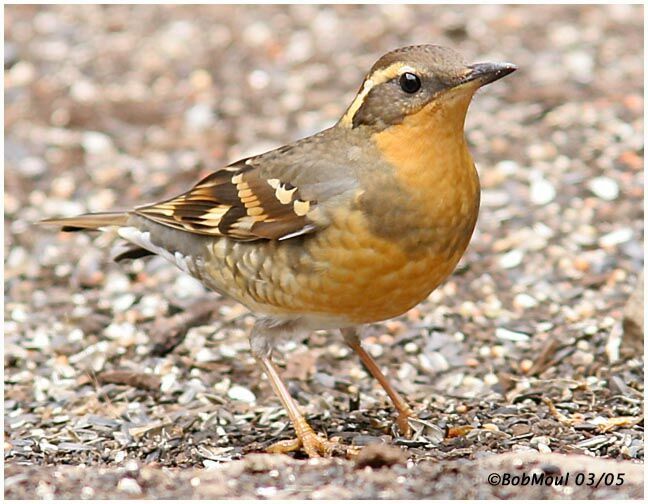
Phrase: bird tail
{"type": "Point", "coordinates": [90, 221]}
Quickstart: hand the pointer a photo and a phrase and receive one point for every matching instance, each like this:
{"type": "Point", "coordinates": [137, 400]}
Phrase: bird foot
{"type": "Point", "coordinates": [404, 421]}
{"type": "Point", "coordinates": [312, 444]}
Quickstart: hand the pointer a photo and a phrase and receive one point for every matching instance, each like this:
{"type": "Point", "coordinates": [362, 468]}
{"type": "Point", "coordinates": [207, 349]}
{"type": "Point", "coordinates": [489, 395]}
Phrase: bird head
{"type": "Point", "coordinates": [427, 78]}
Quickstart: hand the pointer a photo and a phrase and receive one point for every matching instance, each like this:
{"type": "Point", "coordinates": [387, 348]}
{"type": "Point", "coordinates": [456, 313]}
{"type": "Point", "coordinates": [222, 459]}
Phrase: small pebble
{"type": "Point", "coordinates": [326, 380]}
{"type": "Point", "coordinates": [616, 237]}
{"type": "Point", "coordinates": [508, 167]}
{"type": "Point", "coordinates": [506, 334]}
{"type": "Point", "coordinates": [511, 259]}
{"type": "Point", "coordinates": [200, 79]}
{"type": "Point", "coordinates": [258, 79]}
{"type": "Point", "coordinates": [411, 347]}
{"type": "Point", "coordinates": [604, 187]}
{"type": "Point", "coordinates": [433, 362]}
{"type": "Point", "coordinates": [491, 379]}
{"type": "Point", "coordinates": [543, 448]}
{"type": "Point", "coordinates": [542, 191]}
{"type": "Point", "coordinates": [94, 142]}
{"type": "Point", "coordinates": [206, 355]}
{"type": "Point", "coordinates": [580, 64]}
{"type": "Point", "coordinates": [526, 365]}
{"type": "Point", "coordinates": [490, 427]}
{"type": "Point", "coordinates": [200, 117]}
{"type": "Point", "coordinates": [266, 492]}
{"type": "Point", "coordinates": [122, 303]}
{"type": "Point", "coordinates": [32, 166]}
{"type": "Point", "coordinates": [168, 382]}
{"type": "Point", "coordinates": [84, 91]}
{"type": "Point", "coordinates": [21, 74]}
{"type": "Point", "coordinates": [375, 350]}
{"type": "Point", "coordinates": [240, 393]}
{"type": "Point", "coordinates": [524, 301]}
{"type": "Point", "coordinates": [87, 492]}
{"type": "Point", "coordinates": [129, 485]}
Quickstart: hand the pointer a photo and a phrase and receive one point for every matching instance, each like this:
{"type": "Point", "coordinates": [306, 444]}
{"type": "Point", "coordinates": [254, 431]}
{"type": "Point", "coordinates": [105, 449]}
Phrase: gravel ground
{"type": "Point", "coordinates": [280, 477]}
{"type": "Point", "coordinates": [518, 353]}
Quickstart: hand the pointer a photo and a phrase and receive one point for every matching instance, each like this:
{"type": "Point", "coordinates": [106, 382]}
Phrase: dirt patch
{"type": "Point", "coordinates": [281, 477]}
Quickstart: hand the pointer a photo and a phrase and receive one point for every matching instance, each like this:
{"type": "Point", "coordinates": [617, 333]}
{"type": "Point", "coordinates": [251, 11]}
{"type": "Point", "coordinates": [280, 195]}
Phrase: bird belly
{"type": "Point", "coordinates": [368, 278]}
{"type": "Point", "coordinates": [343, 275]}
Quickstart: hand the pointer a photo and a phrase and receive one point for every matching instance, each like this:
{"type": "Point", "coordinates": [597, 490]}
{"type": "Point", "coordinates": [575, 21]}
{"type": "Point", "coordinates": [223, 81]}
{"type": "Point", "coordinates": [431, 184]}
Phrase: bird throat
{"type": "Point", "coordinates": [431, 160]}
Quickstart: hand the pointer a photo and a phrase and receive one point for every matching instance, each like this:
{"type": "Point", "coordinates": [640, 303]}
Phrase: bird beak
{"type": "Point", "coordinates": [485, 73]}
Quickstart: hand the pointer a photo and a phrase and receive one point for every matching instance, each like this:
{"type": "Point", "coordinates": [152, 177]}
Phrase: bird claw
{"type": "Point", "coordinates": [312, 444]}
{"type": "Point", "coordinates": [403, 422]}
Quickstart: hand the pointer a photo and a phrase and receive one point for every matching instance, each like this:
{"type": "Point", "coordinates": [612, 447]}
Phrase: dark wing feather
{"type": "Point", "coordinates": [238, 202]}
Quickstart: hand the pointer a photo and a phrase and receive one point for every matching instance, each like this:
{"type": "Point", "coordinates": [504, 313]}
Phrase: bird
{"type": "Point", "coordinates": [353, 225]}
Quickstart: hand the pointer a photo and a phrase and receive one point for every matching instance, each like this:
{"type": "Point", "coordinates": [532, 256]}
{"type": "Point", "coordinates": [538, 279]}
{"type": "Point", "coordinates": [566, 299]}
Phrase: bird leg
{"type": "Point", "coordinates": [352, 339]}
{"type": "Point", "coordinates": [312, 444]}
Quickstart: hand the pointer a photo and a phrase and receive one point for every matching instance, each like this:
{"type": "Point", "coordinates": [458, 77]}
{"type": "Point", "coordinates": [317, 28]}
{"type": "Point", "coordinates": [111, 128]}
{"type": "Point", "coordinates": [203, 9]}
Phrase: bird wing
{"type": "Point", "coordinates": [236, 202]}
{"type": "Point", "coordinates": [274, 196]}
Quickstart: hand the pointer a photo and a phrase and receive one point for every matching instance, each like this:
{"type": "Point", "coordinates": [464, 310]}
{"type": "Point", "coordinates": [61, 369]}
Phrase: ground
{"type": "Point", "coordinates": [515, 364]}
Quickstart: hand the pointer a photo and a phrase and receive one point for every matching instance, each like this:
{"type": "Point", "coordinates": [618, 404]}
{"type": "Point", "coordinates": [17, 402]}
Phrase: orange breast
{"type": "Point", "coordinates": [367, 278]}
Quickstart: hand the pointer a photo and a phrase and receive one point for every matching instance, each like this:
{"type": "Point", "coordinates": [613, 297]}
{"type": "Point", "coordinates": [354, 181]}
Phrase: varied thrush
{"type": "Point", "coordinates": [355, 224]}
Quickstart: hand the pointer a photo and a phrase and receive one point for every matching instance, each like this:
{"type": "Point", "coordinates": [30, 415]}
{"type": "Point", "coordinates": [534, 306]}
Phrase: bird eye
{"type": "Point", "coordinates": [410, 83]}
